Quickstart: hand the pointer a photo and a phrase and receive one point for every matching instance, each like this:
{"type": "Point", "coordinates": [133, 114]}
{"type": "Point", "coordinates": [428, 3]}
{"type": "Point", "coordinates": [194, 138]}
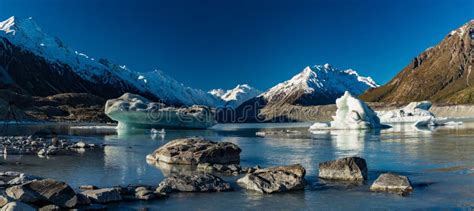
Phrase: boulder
{"type": "Point", "coordinates": [17, 206]}
{"type": "Point", "coordinates": [50, 207]}
{"type": "Point", "coordinates": [275, 179]}
{"type": "Point", "coordinates": [103, 195]}
{"type": "Point", "coordinates": [392, 183]}
{"type": "Point", "coordinates": [192, 151]}
{"type": "Point", "coordinates": [143, 193]}
{"type": "Point", "coordinates": [43, 192]}
{"type": "Point", "coordinates": [203, 182]}
{"type": "Point", "coordinates": [349, 168]}
{"type": "Point", "coordinates": [4, 200]}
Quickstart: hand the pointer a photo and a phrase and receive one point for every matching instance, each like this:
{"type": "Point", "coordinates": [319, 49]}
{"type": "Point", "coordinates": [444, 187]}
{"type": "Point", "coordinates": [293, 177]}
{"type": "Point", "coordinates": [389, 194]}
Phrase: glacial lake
{"type": "Point", "coordinates": [439, 162]}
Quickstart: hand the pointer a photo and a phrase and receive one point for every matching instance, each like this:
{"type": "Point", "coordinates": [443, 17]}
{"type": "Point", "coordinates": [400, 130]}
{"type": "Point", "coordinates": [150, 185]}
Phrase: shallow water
{"type": "Point", "coordinates": [440, 164]}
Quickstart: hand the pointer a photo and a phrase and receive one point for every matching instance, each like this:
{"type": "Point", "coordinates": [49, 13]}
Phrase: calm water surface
{"type": "Point", "coordinates": [439, 162]}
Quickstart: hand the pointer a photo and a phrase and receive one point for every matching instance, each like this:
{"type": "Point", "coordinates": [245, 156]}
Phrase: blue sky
{"type": "Point", "coordinates": [218, 44]}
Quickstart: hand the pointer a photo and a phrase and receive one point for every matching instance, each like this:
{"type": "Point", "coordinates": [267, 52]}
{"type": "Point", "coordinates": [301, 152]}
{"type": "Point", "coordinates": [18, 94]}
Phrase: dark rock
{"type": "Point", "coordinates": [17, 206]}
{"type": "Point", "coordinates": [192, 151]}
{"type": "Point", "coordinates": [44, 191]}
{"type": "Point", "coordinates": [392, 183]}
{"type": "Point", "coordinates": [104, 195]}
{"type": "Point", "coordinates": [275, 179]}
{"type": "Point", "coordinates": [349, 168]}
{"type": "Point", "coordinates": [203, 182]}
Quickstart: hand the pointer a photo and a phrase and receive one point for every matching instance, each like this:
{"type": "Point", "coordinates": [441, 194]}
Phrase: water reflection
{"type": "Point", "coordinates": [170, 169]}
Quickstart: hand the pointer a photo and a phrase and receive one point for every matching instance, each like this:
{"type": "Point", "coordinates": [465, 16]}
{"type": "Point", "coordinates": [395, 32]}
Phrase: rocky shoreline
{"type": "Point", "coordinates": [20, 191]}
{"type": "Point", "coordinates": [43, 147]}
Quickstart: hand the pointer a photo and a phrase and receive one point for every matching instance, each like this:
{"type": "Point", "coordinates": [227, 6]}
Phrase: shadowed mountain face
{"type": "Point", "coordinates": [441, 74]}
{"type": "Point", "coordinates": [38, 64]}
{"type": "Point", "coordinates": [28, 73]}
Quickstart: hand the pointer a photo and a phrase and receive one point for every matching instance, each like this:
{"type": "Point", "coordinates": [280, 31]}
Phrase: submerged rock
{"type": "Point", "coordinates": [43, 192]}
{"type": "Point", "coordinates": [349, 168]}
{"type": "Point", "coordinates": [17, 206]}
{"type": "Point", "coordinates": [103, 195]}
{"type": "Point", "coordinates": [192, 151]}
{"type": "Point", "coordinates": [392, 183]}
{"type": "Point", "coordinates": [275, 179]}
{"type": "Point", "coordinates": [351, 113]}
{"type": "Point", "coordinates": [203, 182]}
{"type": "Point", "coordinates": [135, 111]}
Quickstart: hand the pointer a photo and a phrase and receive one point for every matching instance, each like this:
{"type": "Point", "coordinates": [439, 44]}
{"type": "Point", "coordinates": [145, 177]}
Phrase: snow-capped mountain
{"type": "Point", "coordinates": [42, 65]}
{"type": "Point", "coordinates": [236, 96]}
{"type": "Point", "coordinates": [319, 85]}
{"type": "Point", "coordinates": [292, 100]}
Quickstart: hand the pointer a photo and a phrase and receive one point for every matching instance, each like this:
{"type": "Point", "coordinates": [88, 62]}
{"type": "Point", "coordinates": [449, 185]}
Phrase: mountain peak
{"type": "Point", "coordinates": [465, 28]}
{"type": "Point", "coordinates": [8, 25]}
{"type": "Point", "coordinates": [234, 97]}
{"type": "Point", "coordinates": [323, 83]}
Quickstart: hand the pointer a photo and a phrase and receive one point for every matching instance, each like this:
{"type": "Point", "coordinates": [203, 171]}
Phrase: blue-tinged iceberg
{"type": "Point", "coordinates": [133, 111]}
{"type": "Point", "coordinates": [351, 113]}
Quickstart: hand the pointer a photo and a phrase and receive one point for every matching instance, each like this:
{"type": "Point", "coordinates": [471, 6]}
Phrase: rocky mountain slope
{"type": "Point", "coordinates": [441, 74]}
{"type": "Point", "coordinates": [236, 96]}
{"type": "Point", "coordinates": [34, 63]}
{"type": "Point", "coordinates": [318, 85]}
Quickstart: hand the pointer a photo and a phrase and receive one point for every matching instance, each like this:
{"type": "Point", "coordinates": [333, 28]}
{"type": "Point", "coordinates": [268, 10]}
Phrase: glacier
{"type": "Point", "coordinates": [133, 111]}
{"type": "Point", "coordinates": [351, 113]}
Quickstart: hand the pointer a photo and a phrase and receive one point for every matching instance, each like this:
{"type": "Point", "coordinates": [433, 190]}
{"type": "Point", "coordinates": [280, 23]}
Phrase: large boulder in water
{"type": "Point", "coordinates": [134, 111]}
{"type": "Point", "coordinates": [349, 168]}
{"type": "Point", "coordinates": [46, 191]}
{"type": "Point", "coordinates": [392, 183]}
{"type": "Point", "coordinates": [192, 151]}
{"type": "Point", "coordinates": [275, 179]}
{"type": "Point", "coordinates": [203, 182]}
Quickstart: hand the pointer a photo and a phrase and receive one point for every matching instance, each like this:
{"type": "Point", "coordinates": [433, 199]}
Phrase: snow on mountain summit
{"type": "Point", "coordinates": [27, 35]}
{"type": "Point", "coordinates": [320, 81]}
{"type": "Point", "coordinates": [236, 96]}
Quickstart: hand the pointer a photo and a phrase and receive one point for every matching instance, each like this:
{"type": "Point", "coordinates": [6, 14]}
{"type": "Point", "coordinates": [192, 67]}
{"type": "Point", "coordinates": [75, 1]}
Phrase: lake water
{"type": "Point", "coordinates": [439, 162]}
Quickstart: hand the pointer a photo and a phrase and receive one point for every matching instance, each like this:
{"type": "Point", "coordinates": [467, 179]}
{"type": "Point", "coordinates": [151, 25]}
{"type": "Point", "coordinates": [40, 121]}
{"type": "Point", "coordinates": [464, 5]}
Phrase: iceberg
{"type": "Point", "coordinates": [351, 113]}
{"type": "Point", "coordinates": [416, 112]}
{"type": "Point", "coordinates": [134, 111]}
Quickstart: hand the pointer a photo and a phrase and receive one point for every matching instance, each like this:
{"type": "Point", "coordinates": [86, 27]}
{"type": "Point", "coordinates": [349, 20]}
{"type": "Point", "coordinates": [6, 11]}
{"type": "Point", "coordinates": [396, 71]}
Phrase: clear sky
{"type": "Point", "coordinates": [218, 44]}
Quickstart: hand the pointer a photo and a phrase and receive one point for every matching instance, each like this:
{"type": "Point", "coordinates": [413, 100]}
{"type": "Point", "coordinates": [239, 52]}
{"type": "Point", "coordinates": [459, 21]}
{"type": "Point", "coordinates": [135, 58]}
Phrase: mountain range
{"type": "Point", "coordinates": [48, 78]}
{"type": "Point", "coordinates": [35, 63]}
{"type": "Point", "coordinates": [317, 85]}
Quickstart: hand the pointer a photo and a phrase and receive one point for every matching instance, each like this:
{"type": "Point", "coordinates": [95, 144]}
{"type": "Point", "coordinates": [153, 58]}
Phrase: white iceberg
{"type": "Point", "coordinates": [416, 112]}
{"type": "Point", "coordinates": [351, 113]}
{"type": "Point", "coordinates": [134, 111]}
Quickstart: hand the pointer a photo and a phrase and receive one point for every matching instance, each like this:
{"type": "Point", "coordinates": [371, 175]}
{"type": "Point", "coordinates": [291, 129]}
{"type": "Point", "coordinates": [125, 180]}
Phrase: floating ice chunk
{"type": "Point", "coordinates": [319, 125]}
{"type": "Point", "coordinates": [424, 122]}
{"type": "Point", "coordinates": [136, 112]}
{"type": "Point", "coordinates": [453, 123]}
{"type": "Point", "coordinates": [411, 113]}
{"type": "Point", "coordinates": [351, 113]}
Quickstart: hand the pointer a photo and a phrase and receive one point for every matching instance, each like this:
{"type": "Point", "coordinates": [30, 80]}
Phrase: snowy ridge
{"type": "Point", "coordinates": [26, 34]}
{"type": "Point", "coordinates": [171, 90]}
{"type": "Point", "coordinates": [236, 96]}
{"type": "Point", "coordinates": [322, 79]}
